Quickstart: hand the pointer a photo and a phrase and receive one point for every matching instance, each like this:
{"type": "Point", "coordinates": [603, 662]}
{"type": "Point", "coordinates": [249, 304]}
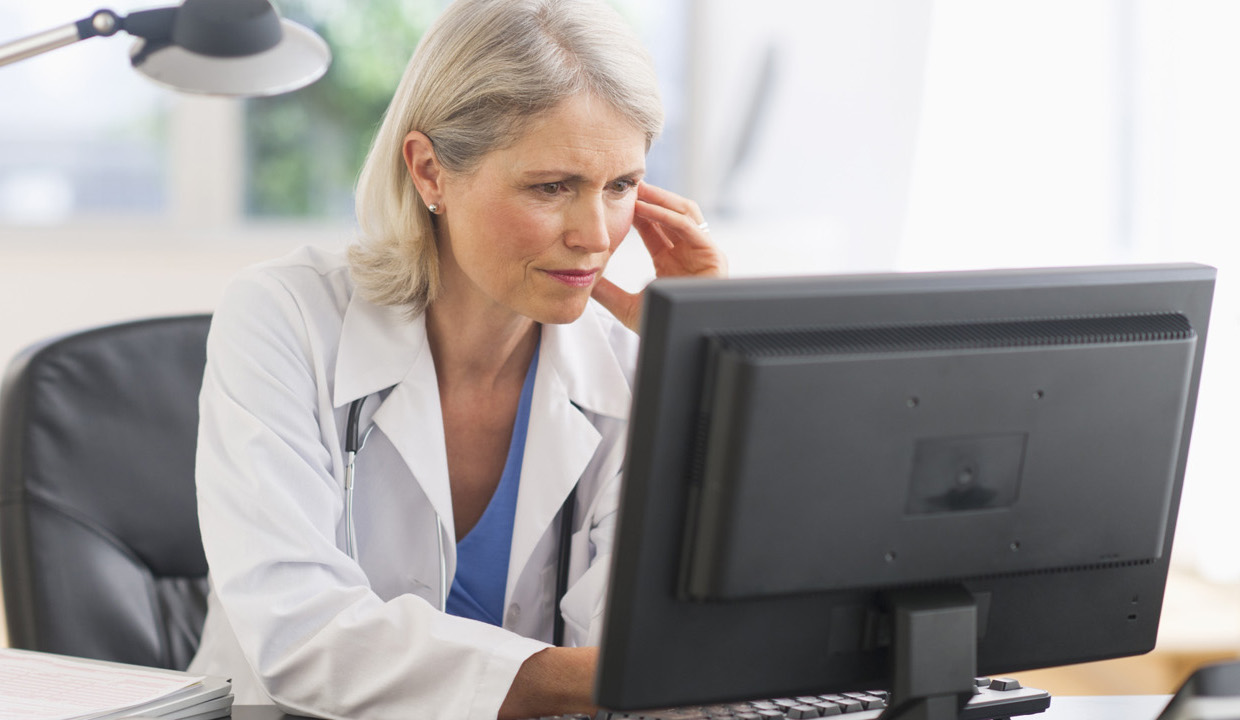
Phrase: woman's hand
{"type": "Point", "coordinates": [675, 235]}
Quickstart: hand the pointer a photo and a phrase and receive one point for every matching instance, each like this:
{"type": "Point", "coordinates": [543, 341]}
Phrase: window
{"type": "Point", "coordinates": [80, 136]}
{"type": "Point", "coordinates": [304, 150]}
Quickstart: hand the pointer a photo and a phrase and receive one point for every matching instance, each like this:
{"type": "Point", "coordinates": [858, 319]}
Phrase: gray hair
{"type": "Point", "coordinates": [483, 72]}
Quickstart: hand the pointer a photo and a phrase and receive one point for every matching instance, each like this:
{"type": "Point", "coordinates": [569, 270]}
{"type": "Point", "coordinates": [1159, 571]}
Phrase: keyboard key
{"type": "Point", "coordinates": [829, 708]}
{"type": "Point", "coordinates": [849, 705]}
{"type": "Point", "coordinates": [871, 702]}
{"type": "Point", "coordinates": [1004, 684]}
{"type": "Point", "coordinates": [800, 712]}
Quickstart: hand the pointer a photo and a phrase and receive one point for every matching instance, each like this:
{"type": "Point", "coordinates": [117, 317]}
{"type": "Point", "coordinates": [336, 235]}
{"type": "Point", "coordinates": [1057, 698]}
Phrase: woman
{"type": "Point", "coordinates": [507, 170]}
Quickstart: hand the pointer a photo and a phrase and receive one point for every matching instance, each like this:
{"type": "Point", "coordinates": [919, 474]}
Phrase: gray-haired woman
{"type": "Point", "coordinates": [489, 388]}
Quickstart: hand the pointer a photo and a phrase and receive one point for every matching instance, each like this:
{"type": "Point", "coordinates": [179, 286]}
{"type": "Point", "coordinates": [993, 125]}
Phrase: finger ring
{"type": "Point", "coordinates": [704, 226]}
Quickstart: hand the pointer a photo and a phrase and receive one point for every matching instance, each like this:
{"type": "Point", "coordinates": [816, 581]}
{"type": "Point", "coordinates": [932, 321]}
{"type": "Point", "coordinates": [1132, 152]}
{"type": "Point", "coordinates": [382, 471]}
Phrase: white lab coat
{"type": "Point", "coordinates": [291, 618]}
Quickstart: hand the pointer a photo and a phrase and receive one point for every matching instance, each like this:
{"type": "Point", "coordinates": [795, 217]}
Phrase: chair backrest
{"type": "Point", "coordinates": [100, 552]}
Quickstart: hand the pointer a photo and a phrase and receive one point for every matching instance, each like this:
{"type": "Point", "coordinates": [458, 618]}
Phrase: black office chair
{"type": "Point", "coordinates": [100, 552]}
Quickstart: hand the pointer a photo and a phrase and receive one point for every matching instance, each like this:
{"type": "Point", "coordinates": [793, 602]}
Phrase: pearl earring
{"type": "Point", "coordinates": [434, 208]}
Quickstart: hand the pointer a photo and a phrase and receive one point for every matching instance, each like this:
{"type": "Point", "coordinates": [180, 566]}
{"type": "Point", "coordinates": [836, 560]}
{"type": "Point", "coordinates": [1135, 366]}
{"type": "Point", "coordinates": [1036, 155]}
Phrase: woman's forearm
{"type": "Point", "coordinates": [555, 681]}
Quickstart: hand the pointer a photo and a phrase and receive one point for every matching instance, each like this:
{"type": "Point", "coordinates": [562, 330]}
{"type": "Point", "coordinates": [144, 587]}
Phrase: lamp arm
{"type": "Point", "coordinates": [101, 24]}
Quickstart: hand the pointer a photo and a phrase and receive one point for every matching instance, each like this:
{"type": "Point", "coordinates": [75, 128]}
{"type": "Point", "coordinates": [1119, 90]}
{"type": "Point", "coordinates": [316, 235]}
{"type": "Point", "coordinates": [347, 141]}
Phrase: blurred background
{"type": "Point", "coordinates": [819, 137]}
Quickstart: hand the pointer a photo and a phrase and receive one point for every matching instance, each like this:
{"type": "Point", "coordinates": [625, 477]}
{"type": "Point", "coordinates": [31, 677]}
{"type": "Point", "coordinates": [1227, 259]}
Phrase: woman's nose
{"type": "Point", "coordinates": [588, 229]}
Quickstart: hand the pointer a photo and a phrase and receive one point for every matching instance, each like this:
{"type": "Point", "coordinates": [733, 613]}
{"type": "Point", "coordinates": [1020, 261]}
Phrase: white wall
{"type": "Point", "coordinates": [56, 281]}
{"type": "Point", "coordinates": [823, 181]}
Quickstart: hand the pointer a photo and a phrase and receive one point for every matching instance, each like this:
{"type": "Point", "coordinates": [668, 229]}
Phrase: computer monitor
{"type": "Point", "coordinates": [898, 481]}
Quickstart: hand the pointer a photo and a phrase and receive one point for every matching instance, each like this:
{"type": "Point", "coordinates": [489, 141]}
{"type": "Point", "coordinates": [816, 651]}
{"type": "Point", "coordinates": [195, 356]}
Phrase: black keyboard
{"type": "Point", "coordinates": [995, 698]}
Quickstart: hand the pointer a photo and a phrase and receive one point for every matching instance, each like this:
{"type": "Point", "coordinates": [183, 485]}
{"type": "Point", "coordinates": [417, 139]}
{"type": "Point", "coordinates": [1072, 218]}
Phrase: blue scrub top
{"type": "Point", "coordinates": [482, 555]}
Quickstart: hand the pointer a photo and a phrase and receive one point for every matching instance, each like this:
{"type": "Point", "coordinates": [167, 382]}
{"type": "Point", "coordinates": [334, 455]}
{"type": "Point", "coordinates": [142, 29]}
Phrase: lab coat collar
{"type": "Point", "coordinates": [587, 366]}
{"type": "Point", "coordinates": [379, 346]}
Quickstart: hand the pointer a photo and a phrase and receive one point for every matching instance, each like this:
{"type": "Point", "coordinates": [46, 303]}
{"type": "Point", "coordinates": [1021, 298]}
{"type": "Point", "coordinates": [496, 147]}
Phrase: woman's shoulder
{"type": "Point", "coordinates": [286, 297]}
{"type": "Point", "coordinates": [308, 279]}
{"type": "Point", "coordinates": [305, 269]}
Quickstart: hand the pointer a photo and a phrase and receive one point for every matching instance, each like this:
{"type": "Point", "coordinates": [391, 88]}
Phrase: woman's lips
{"type": "Point", "coordinates": [574, 278]}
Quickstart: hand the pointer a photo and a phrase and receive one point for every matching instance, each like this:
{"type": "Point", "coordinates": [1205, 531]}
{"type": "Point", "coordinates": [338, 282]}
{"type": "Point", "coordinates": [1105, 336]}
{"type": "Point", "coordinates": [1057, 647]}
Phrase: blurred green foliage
{"type": "Point", "coordinates": [304, 149]}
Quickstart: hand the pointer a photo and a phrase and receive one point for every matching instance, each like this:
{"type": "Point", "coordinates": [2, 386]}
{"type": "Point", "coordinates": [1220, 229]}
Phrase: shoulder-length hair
{"type": "Point", "coordinates": [483, 71]}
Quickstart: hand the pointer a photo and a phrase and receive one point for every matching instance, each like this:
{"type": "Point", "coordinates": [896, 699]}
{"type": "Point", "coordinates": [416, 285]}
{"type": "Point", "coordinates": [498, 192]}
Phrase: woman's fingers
{"type": "Point", "coordinates": [652, 235]}
{"type": "Point", "coordinates": [675, 235]}
{"type": "Point", "coordinates": [670, 219]}
{"type": "Point", "coordinates": [657, 196]}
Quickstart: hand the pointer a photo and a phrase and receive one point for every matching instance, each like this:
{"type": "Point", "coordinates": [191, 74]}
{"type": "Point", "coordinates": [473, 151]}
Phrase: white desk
{"type": "Point", "coordinates": [1104, 707]}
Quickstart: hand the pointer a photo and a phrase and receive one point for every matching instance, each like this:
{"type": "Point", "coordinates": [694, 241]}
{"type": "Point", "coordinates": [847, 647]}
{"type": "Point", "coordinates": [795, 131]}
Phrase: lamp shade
{"type": "Point", "coordinates": [231, 47]}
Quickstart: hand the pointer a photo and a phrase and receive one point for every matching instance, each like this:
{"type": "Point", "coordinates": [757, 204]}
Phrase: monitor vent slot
{"type": "Point", "coordinates": [989, 334]}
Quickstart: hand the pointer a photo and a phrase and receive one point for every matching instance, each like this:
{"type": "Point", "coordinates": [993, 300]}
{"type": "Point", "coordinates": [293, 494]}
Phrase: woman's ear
{"type": "Point", "coordinates": [424, 167]}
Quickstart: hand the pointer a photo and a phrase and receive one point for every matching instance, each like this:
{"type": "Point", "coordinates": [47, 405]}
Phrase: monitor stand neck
{"type": "Point", "coordinates": [934, 652]}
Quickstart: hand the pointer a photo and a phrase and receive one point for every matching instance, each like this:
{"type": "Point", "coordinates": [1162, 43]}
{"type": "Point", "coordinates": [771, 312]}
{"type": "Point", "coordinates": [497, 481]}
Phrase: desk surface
{"type": "Point", "coordinates": [1111, 707]}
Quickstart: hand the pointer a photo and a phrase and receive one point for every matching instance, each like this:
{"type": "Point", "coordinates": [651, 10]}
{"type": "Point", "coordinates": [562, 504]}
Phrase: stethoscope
{"type": "Point", "coordinates": [353, 443]}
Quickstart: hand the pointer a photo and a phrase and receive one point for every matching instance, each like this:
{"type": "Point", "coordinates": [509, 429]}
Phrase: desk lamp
{"type": "Point", "coordinates": [238, 48]}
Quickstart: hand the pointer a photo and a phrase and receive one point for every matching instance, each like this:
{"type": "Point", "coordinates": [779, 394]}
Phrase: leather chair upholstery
{"type": "Point", "coordinates": [100, 552]}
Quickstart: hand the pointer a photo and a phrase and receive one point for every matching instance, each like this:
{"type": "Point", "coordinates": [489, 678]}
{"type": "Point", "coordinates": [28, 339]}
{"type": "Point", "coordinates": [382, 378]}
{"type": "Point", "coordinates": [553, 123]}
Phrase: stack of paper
{"type": "Point", "coordinates": [40, 686]}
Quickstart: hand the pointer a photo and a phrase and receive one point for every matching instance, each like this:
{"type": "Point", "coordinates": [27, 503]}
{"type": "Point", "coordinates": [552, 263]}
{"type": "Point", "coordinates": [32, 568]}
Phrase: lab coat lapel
{"type": "Point", "coordinates": [410, 417]}
{"type": "Point", "coordinates": [381, 348]}
{"type": "Point", "coordinates": [558, 446]}
{"type": "Point", "coordinates": [577, 372]}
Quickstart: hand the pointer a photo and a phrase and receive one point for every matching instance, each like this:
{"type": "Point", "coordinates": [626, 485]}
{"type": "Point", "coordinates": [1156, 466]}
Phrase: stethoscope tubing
{"type": "Point", "coordinates": [353, 443]}
{"type": "Point", "coordinates": [561, 565]}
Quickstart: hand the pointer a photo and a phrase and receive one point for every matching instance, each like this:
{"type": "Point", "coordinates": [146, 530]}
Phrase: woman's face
{"type": "Point", "coordinates": [531, 230]}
